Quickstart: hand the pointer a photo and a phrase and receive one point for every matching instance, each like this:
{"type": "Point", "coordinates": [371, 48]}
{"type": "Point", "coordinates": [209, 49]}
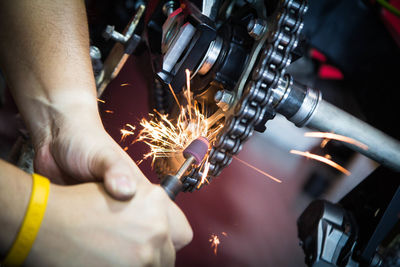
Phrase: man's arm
{"type": "Point", "coordinates": [44, 53]}
{"type": "Point", "coordinates": [14, 198]}
{"type": "Point", "coordinates": [83, 226]}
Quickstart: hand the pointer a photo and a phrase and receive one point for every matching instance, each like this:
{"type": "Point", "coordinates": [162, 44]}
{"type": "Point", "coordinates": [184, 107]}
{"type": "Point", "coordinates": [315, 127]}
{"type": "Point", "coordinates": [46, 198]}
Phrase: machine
{"type": "Point", "coordinates": [238, 53]}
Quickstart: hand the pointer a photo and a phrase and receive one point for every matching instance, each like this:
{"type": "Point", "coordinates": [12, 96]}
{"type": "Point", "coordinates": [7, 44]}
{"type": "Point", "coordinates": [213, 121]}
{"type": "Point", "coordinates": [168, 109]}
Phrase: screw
{"type": "Point", "coordinates": [257, 28]}
{"type": "Point", "coordinates": [224, 99]}
{"type": "Point", "coordinates": [111, 33]}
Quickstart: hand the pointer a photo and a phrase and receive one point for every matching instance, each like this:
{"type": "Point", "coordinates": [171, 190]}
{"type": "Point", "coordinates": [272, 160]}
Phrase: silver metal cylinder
{"type": "Point", "coordinates": [381, 147]}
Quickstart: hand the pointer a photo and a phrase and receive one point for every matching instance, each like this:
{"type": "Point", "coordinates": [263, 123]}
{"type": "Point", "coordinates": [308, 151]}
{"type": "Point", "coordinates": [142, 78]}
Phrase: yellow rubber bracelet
{"type": "Point", "coordinates": [31, 223]}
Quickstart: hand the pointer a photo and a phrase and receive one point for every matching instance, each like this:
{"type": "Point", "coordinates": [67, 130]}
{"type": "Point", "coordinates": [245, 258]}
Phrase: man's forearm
{"type": "Point", "coordinates": [15, 188]}
{"type": "Point", "coordinates": [44, 52]}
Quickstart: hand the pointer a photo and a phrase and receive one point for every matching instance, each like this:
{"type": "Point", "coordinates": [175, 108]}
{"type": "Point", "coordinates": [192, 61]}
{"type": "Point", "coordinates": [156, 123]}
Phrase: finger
{"type": "Point", "coordinates": [117, 173]}
{"type": "Point", "coordinates": [181, 232]}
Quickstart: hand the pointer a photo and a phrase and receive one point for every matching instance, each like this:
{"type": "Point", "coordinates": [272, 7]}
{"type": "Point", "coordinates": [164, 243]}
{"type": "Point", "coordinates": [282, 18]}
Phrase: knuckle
{"type": "Point", "coordinates": [146, 255]}
{"type": "Point", "coordinates": [187, 235]}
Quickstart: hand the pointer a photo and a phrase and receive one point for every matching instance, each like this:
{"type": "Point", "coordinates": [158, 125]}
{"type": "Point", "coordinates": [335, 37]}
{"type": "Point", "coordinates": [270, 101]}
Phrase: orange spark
{"type": "Point", "coordinates": [205, 173]}
{"type": "Point", "coordinates": [324, 142]}
{"type": "Point", "coordinates": [126, 132]}
{"type": "Point", "coordinates": [258, 170]}
{"type": "Point", "coordinates": [173, 93]}
{"type": "Point", "coordinates": [214, 240]}
{"type": "Point", "coordinates": [188, 92]}
{"type": "Point", "coordinates": [100, 100]}
{"type": "Point", "coordinates": [124, 84]}
{"type": "Point", "coordinates": [322, 159]}
{"type": "Point", "coordinates": [109, 111]}
{"type": "Point", "coordinates": [224, 234]}
{"type": "Point", "coordinates": [126, 148]}
{"type": "Point", "coordinates": [328, 156]}
{"type": "Point", "coordinates": [337, 137]}
{"type": "Point", "coordinates": [139, 162]}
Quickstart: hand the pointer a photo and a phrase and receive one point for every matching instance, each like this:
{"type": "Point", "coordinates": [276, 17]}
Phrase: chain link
{"type": "Point", "coordinates": [283, 37]}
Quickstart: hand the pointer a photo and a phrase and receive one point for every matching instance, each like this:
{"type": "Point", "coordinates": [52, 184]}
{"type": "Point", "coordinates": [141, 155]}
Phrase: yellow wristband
{"type": "Point", "coordinates": [31, 223]}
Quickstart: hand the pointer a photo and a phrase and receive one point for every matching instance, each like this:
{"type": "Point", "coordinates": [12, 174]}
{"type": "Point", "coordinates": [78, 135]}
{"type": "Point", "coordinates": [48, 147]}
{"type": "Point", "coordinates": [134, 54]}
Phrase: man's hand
{"type": "Point", "coordinates": [83, 226]}
{"type": "Point", "coordinates": [45, 55]}
{"type": "Point", "coordinates": [92, 229]}
{"type": "Point", "coordinates": [76, 148]}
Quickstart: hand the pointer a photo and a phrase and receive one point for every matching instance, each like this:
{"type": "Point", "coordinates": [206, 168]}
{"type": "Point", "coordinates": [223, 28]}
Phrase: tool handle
{"type": "Point", "coordinates": [172, 186]}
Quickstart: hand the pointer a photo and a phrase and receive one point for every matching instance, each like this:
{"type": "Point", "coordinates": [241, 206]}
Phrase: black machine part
{"type": "Point", "coordinates": [328, 234]}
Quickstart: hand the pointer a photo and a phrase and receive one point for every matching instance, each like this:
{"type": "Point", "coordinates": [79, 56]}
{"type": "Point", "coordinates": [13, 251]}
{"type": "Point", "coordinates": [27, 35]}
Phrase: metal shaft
{"type": "Point", "coordinates": [172, 184]}
{"type": "Point", "coordinates": [304, 107]}
{"type": "Point", "coordinates": [381, 147]}
{"type": "Point", "coordinates": [185, 166]}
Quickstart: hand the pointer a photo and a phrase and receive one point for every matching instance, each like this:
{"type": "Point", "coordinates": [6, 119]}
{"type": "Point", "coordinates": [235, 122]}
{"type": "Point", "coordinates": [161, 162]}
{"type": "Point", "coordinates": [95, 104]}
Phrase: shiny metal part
{"type": "Point", "coordinates": [97, 64]}
{"type": "Point", "coordinates": [185, 166]}
{"type": "Point", "coordinates": [211, 56]}
{"type": "Point", "coordinates": [173, 184]}
{"type": "Point", "coordinates": [257, 28]}
{"type": "Point", "coordinates": [224, 99]}
{"type": "Point", "coordinates": [210, 8]}
{"type": "Point", "coordinates": [306, 111]}
{"type": "Point", "coordinates": [304, 107]}
{"type": "Point", "coordinates": [262, 73]}
{"type": "Point", "coordinates": [381, 147]}
{"type": "Point", "coordinates": [178, 46]}
{"type": "Point", "coordinates": [169, 7]}
{"type": "Point", "coordinates": [111, 33]}
{"type": "Point", "coordinates": [120, 52]}
{"type": "Point", "coordinates": [170, 30]}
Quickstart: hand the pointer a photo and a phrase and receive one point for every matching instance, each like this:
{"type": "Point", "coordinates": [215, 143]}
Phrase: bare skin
{"type": "Point", "coordinates": [44, 53]}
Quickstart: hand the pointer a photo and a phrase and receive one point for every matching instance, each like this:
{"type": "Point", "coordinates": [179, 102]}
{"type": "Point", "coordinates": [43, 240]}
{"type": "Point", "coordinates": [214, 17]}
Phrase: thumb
{"type": "Point", "coordinates": [117, 173]}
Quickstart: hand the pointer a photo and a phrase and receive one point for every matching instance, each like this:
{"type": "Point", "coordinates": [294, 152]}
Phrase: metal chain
{"type": "Point", "coordinates": [283, 36]}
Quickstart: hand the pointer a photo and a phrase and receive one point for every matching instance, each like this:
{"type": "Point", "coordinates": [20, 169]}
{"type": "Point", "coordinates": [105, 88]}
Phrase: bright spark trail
{"type": "Point", "coordinates": [321, 159]}
{"type": "Point", "coordinates": [258, 170]}
{"type": "Point", "coordinates": [167, 138]}
{"type": "Point", "coordinates": [337, 137]}
{"type": "Point", "coordinates": [125, 132]}
{"type": "Point", "coordinates": [214, 240]}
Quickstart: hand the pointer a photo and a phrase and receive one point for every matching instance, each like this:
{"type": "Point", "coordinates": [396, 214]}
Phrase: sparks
{"type": "Point", "coordinates": [101, 101]}
{"type": "Point", "coordinates": [126, 132]}
{"type": "Point", "coordinates": [337, 137]}
{"type": "Point", "coordinates": [258, 170]}
{"type": "Point", "coordinates": [188, 91]}
{"type": "Point", "coordinates": [324, 142]}
{"type": "Point", "coordinates": [322, 159]}
{"type": "Point", "coordinates": [173, 93]}
{"type": "Point", "coordinates": [125, 84]}
{"type": "Point", "coordinates": [167, 138]}
{"type": "Point", "coordinates": [205, 173]}
{"type": "Point", "coordinates": [109, 111]}
{"type": "Point", "coordinates": [214, 240]}
{"type": "Point", "coordinates": [125, 148]}
{"type": "Point", "coordinates": [224, 234]}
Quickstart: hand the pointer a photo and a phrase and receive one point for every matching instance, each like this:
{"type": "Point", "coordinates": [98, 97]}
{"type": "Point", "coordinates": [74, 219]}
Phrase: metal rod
{"type": "Point", "coordinates": [185, 166]}
{"type": "Point", "coordinates": [381, 147]}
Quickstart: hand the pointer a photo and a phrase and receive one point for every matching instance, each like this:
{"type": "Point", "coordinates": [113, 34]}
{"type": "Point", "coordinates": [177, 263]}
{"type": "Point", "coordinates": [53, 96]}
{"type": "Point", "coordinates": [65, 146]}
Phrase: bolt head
{"type": "Point", "coordinates": [256, 28]}
{"type": "Point", "coordinates": [108, 32]}
{"type": "Point", "coordinates": [224, 99]}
